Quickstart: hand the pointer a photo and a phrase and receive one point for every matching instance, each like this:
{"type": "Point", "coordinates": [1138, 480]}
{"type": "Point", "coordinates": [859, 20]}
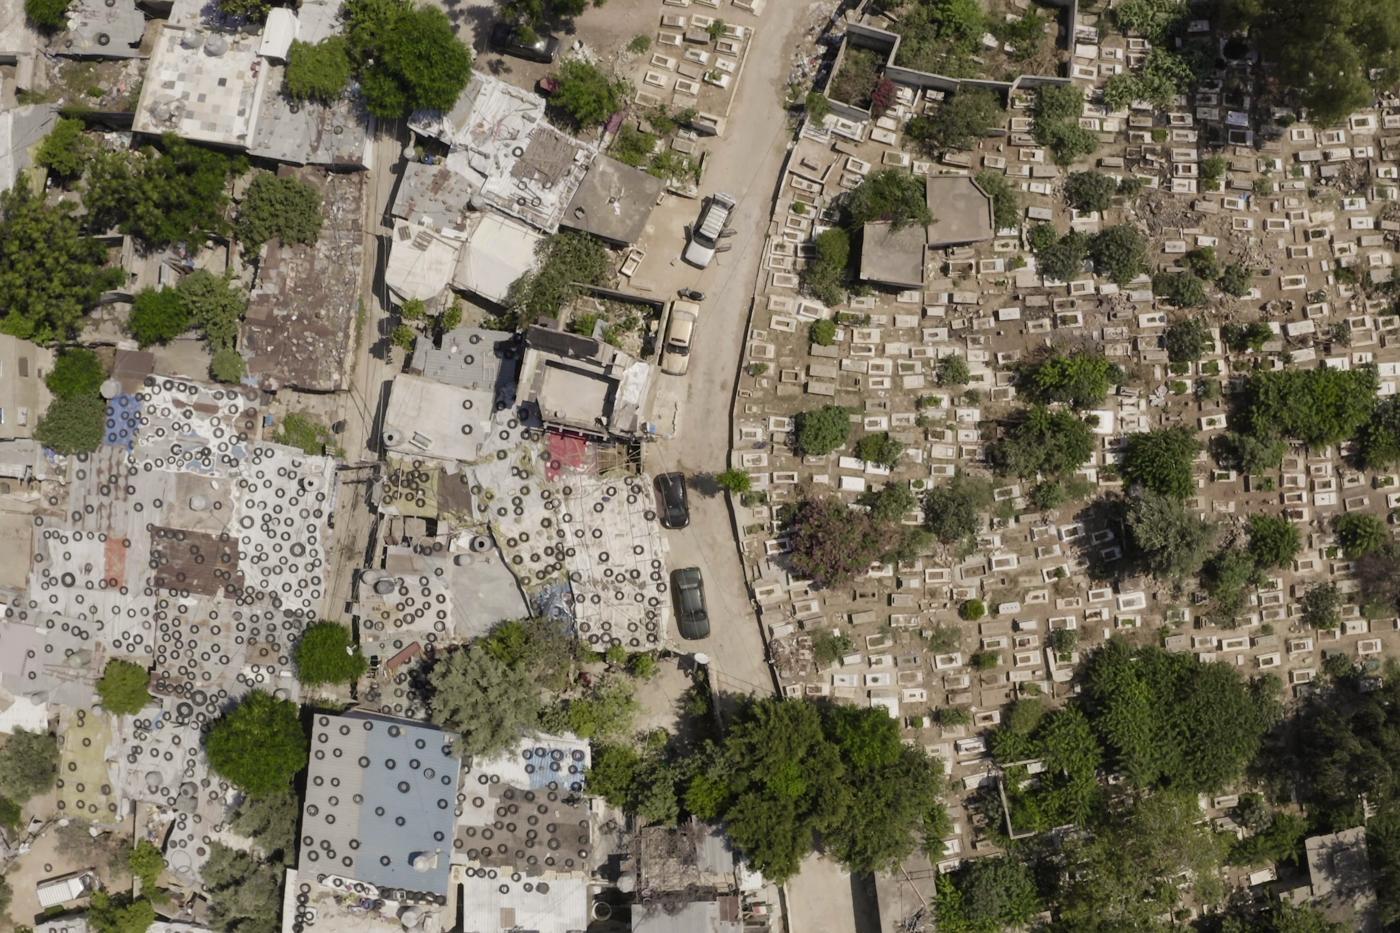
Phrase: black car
{"type": "Point", "coordinates": [675, 508]}
{"type": "Point", "coordinates": [507, 39]}
{"type": "Point", "coordinates": [688, 588]}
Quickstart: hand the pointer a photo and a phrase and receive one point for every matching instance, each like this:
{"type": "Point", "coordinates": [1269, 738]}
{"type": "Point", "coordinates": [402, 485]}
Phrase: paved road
{"type": "Point", "coordinates": [744, 163]}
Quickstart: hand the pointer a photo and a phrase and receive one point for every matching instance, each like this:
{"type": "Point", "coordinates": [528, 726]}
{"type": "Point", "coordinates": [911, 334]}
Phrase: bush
{"type": "Point", "coordinates": [984, 660]}
{"type": "Point", "coordinates": [157, 316]}
{"type": "Point", "coordinates": [959, 122]}
{"type": "Point", "coordinates": [409, 58]}
{"type": "Point", "coordinates": [1322, 605]}
{"type": "Point", "coordinates": [953, 511]}
{"type": "Point", "coordinates": [76, 372]}
{"type": "Point", "coordinates": [1213, 172]}
{"type": "Point", "coordinates": [285, 209]}
{"type": "Point", "coordinates": [830, 647]}
{"type": "Point", "coordinates": [888, 195]}
{"type": "Point", "coordinates": [1360, 534]}
{"type": "Point", "coordinates": [825, 276]}
{"type": "Point", "coordinates": [587, 94]}
{"type": "Point", "coordinates": [73, 425]}
{"type": "Point", "coordinates": [319, 71]}
{"type": "Point", "coordinates": [1059, 258]}
{"type": "Point", "coordinates": [326, 655]}
{"type": "Point", "coordinates": [146, 863]}
{"type": "Point", "coordinates": [1161, 461]}
{"type": "Point", "coordinates": [822, 430]}
{"type": "Point", "coordinates": [952, 371]}
{"type": "Point", "coordinates": [1236, 280]}
{"type": "Point", "coordinates": [1079, 379]}
{"type": "Point", "coordinates": [1090, 191]}
{"type": "Point", "coordinates": [259, 744]}
{"type": "Point", "coordinates": [1273, 541]}
{"type": "Point", "coordinates": [972, 610]}
{"type": "Point", "coordinates": [632, 146]}
{"type": "Point", "coordinates": [1119, 252]}
{"type": "Point", "coordinates": [1183, 289]}
{"type": "Point", "coordinates": [67, 149]}
{"type": "Point", "coordinates": [822, 333]}
{"type": "Point", "coordinates": [227, 365]}
{"type": "Point", "coordinates": [1170, 542]}
{"type": "Point", "coordinates": [737, 482]}
{"type": "Point", "coordinates": [883, 97]}
{"type": "Point", "coordinates": [1187, 341]}
{"type": "Point", "coordinates": [1316, 406]}
{"type": "Point", "coordinates": [123, 689]}
{"type": "Point", "coordinates": [1006, 201]}
{"type": "Point", "coordinates": [565, 261]}
{"type": "Point", "coordinates": [1043, 443]}
{"type": "Point", "coordinates": [879, 448]}
{"type": "Point", "coordinates": [28, 764]}
{"type": "Point", "coordinates": [47, 15]}
{"type": "Point", "coordinates": [1204, 263]}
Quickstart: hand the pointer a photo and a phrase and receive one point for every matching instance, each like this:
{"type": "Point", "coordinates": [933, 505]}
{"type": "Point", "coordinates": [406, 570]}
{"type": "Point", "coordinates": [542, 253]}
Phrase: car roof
{"type": "Point", "coordinates": [715, 216]}
{"type": "Point", "coordinates": [681, 327]}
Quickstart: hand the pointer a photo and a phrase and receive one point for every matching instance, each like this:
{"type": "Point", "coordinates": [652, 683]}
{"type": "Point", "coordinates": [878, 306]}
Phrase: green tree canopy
{"type": "Point", "coordinates": [215, 305]}
{"type": "Point", "coordinates": [1119, 252]}
{"type": "Point", "coordinates": [47, 15]}
{"type": "Point", "coordinates": [146, 863]}
{"type": "Point", "coordinates": [1059, 257]}
{"type": "Point", "coordinates": [1161, 461]}
{"type": "Point", "coordinates": [124, 687]}
{"type": "Point", "coordinates": [1090, 191]}
{"type": "Point", "coordinates": [1187, 341]}
{"type": "Point", "coordinates": [1360, 534]}
{"type": "Point", "coordinates": [77, 371]}
{"type": "Point", "coordinates": [986, 895]}
{"type": "Point", "coordinates": [244, 893]}
{"type": "Point", "coordinates": [73, 425]}
{"type": "Point", "coordinates": [120, 914]}
{"type": "Point", "coordinates": [954, 510]}
{"type": "Point", "coordinates": [1043, 443]}
{"type": "Point", "coordinates": [962, 119]}
{"type": "Point", "coordinates": [274, 208]}
{"type": "Point", "coordinates": [490, 702]}
{"type": "Point", "coordinates": [564, 262]}
{"type": "Point", "coordinates": [28, 764]}
{"type": "Point", "coordinates": [326, 655]}
{"type": "Point", "coordinates": [67, 149]}
{"type": "Point", "coordinates": [270, 820]}
{"type": "Point", "coordinates": [1055, 123]}
{"type": "Point", "coordinates": [1316, 406]}
{"type": "Point", "coordinates": [50, 274]}
{"type": "Point", "coordinates": [879, 448]}
{"type": "Point", "coordinates": [1379, 440]}
{"type": "Point", "coordinates": [1170, 541]}
{"type": "Point", "coordinates": [259, 744]}
{"type": "Point", "coordinates": [822, 430]}
{"type": "Point", "coordinates": [1080, 378]}
{"type": "Point", "coordinates": [587, 94]}
{"type": "Point", "coordinates": [888, 195]}
{"type": "Point", "coordinates": [1273, 540]}
{"type": "Point", "coordinates": [832, 542]}
{"type": "Point", "coordinates": [409, 58]}
{"type": "Point", "coordinates": [157, 316]}
{"type": "Point", "coordinates": [827, 273]}
{"type": "Point", "coordinates": [318, 71]}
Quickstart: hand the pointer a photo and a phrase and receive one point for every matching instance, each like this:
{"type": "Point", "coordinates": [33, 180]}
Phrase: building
{"type": "Point", "coordinates": [23, 395]}
{"type": "Point", "coordinates": [613, 202]}
{"type": "Point", "coordinates": [21, 131]}
{"type": "Point", "coordinates": [380, 794]}
{"type": "Point", "coordinates": [714, 915]}
{"type": "Point", "coordinates": [102, 29]}
{"type": "Point", "coordinates": [891, 255]}
{"type": "Point", "coordinates": [1341, 884]}
{"type": "Point", "coordinates": [962, 211]}
{"type": "Point", "coordinates": [497, 251]}
{"type": "Point", "coordinates": [582, 385]}
{"type": "Point", "coordinates": [299, 330]}
{"type": "Point", "coordinates": [204, 85]}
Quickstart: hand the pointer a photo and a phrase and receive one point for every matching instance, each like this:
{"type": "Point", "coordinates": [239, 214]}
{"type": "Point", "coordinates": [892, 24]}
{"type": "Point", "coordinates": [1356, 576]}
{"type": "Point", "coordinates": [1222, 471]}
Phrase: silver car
{"type": "Point", "coordinates": [704, 236]}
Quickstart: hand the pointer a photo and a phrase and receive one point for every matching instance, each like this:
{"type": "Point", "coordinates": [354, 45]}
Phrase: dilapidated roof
{"type": "Point", "coordinates": [613, 202]}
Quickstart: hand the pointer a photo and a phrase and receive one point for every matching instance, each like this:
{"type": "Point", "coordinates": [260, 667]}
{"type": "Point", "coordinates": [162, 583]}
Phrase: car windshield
{"type": "Point", "coordinates": [679, 349]}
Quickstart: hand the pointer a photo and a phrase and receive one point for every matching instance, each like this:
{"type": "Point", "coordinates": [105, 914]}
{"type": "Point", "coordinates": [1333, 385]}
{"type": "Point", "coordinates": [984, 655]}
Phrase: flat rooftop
{"type": "Point", "coordinates": [892, 256]}
{"type": "Point", "coordinates": [613, 202]}
{"type": "Point", "coordinates": [962, 212]}
{"type": "Point", "coordinates": [306, 133]}
{"type": "Point", "coordinates": [204, 85]}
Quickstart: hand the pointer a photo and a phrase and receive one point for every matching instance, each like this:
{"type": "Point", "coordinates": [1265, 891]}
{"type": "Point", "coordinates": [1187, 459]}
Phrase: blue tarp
{"type": "Point", "coordinates": [122, 412]}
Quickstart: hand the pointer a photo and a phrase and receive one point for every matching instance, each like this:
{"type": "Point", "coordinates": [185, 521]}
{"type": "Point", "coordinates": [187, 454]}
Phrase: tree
{"type": "Point", "coordinates": [1379, 440]}
{"type": "Point", "coordinates": [157, 316]}
{"type": "Point", "coordinates": [888, 196]}
{"type": "Point", "coordinates": [825, 276]}
{"type": "Point", "coordinates": [121, 914]}
{"type": "Point", "coordinates": [145, 862]}
{"type": "Point", "coordinates": [28, 764]}
{"type": "Point", "coordinates": [737, 482]}
{"type": "Point", "coordinates": [959, 122]}
{"type": "Point", "coordinates": [822, 430]}
{"type": "Point", "coordinates": [1273, 540]}
{"type": "Point", "coordinates": [536, 15]}
{"type": "Point", "coordinates": [227, 365]}
{"type": "Point", "coordinates": [258, 744]}
{"type": "Point", "coordinates": [972, 610]}
{"type": "Point", "coordinates": [1204, 263]}
{"type": "Point", "coordinates": [67, 149]}
{"type": "Point", "coordinates": [47, 15]}
{"type": "Point", "coordinates": [1079, 379]}
{"type": "Point", "coordinates": [565, 261]}
{"type": "Point", "coordinates": [408, 58]}
{"type": "Point", "coordinates": [542, 648]}
{"type": "Point", "coordinates": [605, 712]}
{"type": "Point", "coordinates": [1182, 289]}
{"type": "Point", "coordinates": [1161, 461]}
{"type": "Point", "coordinates": [952, 370]}
{"type": "Point", "coordinates": [76, 372]}
{"type": "Point", "coordinates": [1059, 258]}
{"type": "Point", "coordinates": [1171, 542]}
{"type": "Point", "coordinates": [123, 689]}
{"type": "Point", "coordinates": [1006, 200]}
{"type": "Point", "coordinates": [986, 895]}
{"type": "Point", "coordinates": [1359, 534]}
{"type": "Point", "coordinates": [831, 542]}
{"type": "Point", "coordinates": [244, 893]}
{"type": "Point", "coordinates": [587, 94]}
{"type": "Point", "coordinates": [50, 274]}
{"type": "Point", "coordinates": [250, 10]}
{"type": "Point", "coordinates": [326, 655]}
{"type": "Point", "coordinates": [1090, 191]}
{"type": "Point", "coordinates": [880, 449]}
{"type": "Point", "coordinates": [822, 333]}
{"type": "Point", "coordinates": [318, 71]}
{"type": "Point", "coordinates": [1119, 252]}
{"type": "Point", "coordinates": [285, 209]}
{"type": "Point", "coordinates": [1248, 453]}
{"type": "Point", "coordinates": [1043, 443]}
{"type": "Point", "coordinates": [1226, 577]}
{"type": "Point", "coordinates": [489, 702]}
{"type": "Point", "coordinates": [1237, 279]}
{"type": "Point", "coordinates": [73, 425]}
{"type": "Point", "coordinates": [1316, 406]}
{"type": "Point", "coordinates": [953, 511]}
{"type": "Point", "coordinates": [177, 193]}
{"type": "Point", "coordinates": [1186, 341]}
{"type": "Point", "coordinates": [270, 820]}
{"type": "Point", "coordinates": [214, 305]}
{"type": "Point", "coordinates": [1055, 123]}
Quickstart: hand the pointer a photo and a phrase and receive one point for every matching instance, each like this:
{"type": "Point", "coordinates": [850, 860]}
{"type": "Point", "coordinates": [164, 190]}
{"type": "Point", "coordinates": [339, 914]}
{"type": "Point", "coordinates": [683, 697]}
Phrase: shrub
{"type": "Point", "coordinates": [639, 44]}
{"type": "Point", "coordinates": [326, 655]}
{"type": "Point", "coordinates": [879, 448]}
{"type": "Point", "coordinates": [1090, 191]}
{"type": "Point", "coordinates": [952, 371]}
{"type": "Point", "coordinates": [123, 689]}
{"type": "Point", "coordinates": [1120, 252]}
{"type": "Point", "coordinates": [47, 15]}
{"type": "Point", "coordinates": [830, 647]}
{"type": "Point", "coordinates": [67, 149]}
{"type": "Point", "coordinates": [823, 332]}
{"type": "Point", "coordinates": [285, 209]}
{"type": "Point", "coordinates": [972, 610]}
{"type": "Point", "coordinates": [1236, 279]}
{"type": "Point", "coordinates": [1161, 461]}
{"type": "Point", "coordinates": [587, 94]}
{"type": "Point", "coordinates": [227, 365]}
{"type": "Point", "coordinates": [1213, 172]}
{"type": "Point", "coordinates": [882, 97]}
{"type": "Point", "coordinates": [984, 660]}
{"type": "Point", "coordinates": [632, 146]}
{"type": "Point", "coordinates": [76, 372]}
{"type": "Point", "coordinates": [737, 482]}
{"type": "Point", "coordinates": [157, 316]}
{"type": "Point", "coordinates": [889, 195]}
{"type": "Point", "coordinates": [825, 276]}
{"type": "Point", "coordinates": [565, 261]}
{"type": "Point", "coordinates": [822, 430]}
{"type": "Point", "coordinates": [1186, 341]}
{"type": "Point", "coordinates": [73, 425]}
{"type": "Point", "coordinates": [259, 744]}
{"type": "Point", "coordinates": [1006, 202]}
{"type": "Point", "coordinates": [854, 82]}
{"type": "Point", "coordinates": [319, 71]}
{"type": "Point", "coordinates": [1183, 289]}
{"type": "Point", "coordinates": [1379, 440]}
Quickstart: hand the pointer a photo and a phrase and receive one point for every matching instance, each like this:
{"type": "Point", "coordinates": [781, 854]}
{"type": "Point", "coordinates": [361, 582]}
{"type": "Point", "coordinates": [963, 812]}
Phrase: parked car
{"type": "Point", "coordinates": [675, 504]}
{"type": "Point", "coordinates": [680, 331]}
{"type": "Point", "coordinates": [704, 236]}
{"type": "Point", "coordinates": [692, 618]}
{"type": "Point", "coordinates": [506, 38]}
